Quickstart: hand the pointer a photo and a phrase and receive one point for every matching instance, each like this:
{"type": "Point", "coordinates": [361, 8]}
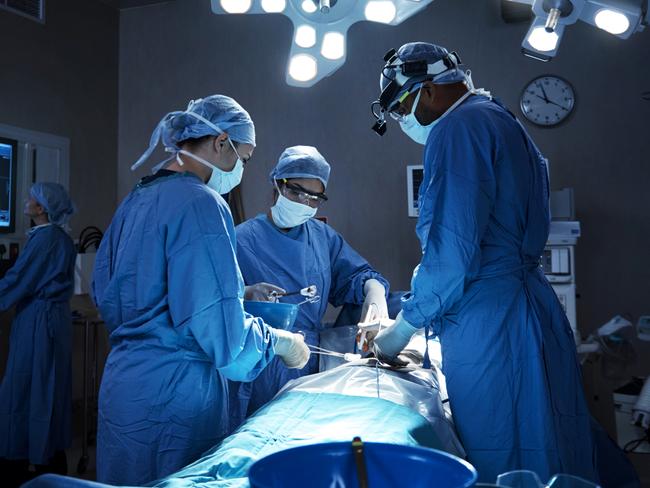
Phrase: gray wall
{"type": "Point", "coordinates": [176, 51]}
{"type": "Point", "coordinates": [61, 78]}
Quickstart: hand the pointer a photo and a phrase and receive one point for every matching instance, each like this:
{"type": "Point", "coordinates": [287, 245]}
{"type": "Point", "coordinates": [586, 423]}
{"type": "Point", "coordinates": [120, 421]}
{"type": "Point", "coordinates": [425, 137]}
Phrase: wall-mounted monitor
{"type": "Point", "coordinates": [8, 174]}
{"type": "Point", "coordinates": [414, 177]}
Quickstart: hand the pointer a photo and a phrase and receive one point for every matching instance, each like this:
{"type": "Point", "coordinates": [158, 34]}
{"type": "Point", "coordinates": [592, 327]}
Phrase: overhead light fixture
{"type": "Point", "coordinates": [303, 67]}
{"type": "Point", "coordinates": [612, 21]}
{"type": "Point", "coordinates": [333, 45]}
{"type": "Point", "coordinates": [543, 40]}
{"type": "Point", "coordinates": [320, 28]}
{"type": "Point", "coordinates": [309, 6]}
{"type": "Point", "coordinates": [274, 6]}
{"type": "Point", "coordinates": [618, 17]}
{"type": "Point", "coordinates": [541, 44]}
{"type": "Point", "coordinates": [236, 6]}
{"type": "Point", "coordinates": [305, 36]}
{"type": "Point", "coordinates": [380, 11]}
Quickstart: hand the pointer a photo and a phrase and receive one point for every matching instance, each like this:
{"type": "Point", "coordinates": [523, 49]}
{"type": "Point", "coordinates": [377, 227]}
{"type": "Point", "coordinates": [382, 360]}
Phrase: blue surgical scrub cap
{"type": "Point", "coordinates": [431, 54]}
{"type": "Point", "coordinates": [55, 200]}
{"type": "Point", "coordinates": [209, 116]}
{"type": "Point", "coordinates": [301, 162]}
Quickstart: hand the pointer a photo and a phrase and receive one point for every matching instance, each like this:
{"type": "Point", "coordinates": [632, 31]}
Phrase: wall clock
{"type": "Point", "coordinates": [547, 100]}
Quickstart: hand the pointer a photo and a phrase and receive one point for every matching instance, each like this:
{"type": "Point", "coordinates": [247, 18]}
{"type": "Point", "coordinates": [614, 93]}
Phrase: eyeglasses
{"type": "Point", "coordinates": [297, 193]}
{"type": "Point", "coordinates": [399, 111]}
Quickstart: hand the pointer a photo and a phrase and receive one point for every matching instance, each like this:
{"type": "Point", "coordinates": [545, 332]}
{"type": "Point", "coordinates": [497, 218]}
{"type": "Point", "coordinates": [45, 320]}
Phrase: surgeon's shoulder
{"type": "Point", "coordinates": [51, 237]}
{"type": "Point", "coordinates": [188, 194]}
{"type": "Point", "coordinates": [476, 118]}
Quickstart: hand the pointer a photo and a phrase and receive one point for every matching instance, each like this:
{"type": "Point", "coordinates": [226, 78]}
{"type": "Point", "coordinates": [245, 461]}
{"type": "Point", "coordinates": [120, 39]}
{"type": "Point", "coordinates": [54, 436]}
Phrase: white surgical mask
{"type": "Point", "coordinates": [420, 133]}
{"type": "Point", "coordinates": [220, 181]}
{"type": "Point", "coordinates": [288, 214]}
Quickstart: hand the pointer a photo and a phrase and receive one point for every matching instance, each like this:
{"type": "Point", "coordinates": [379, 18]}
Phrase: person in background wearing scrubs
{"type": "Point", "coordinates": [291, 249]}
{"type": "Point", "coordinates": [168, 287]}
{"type": "Point", "coordinates": [36, 390]}
{"type": "Point", "coordinates": [509, 356]}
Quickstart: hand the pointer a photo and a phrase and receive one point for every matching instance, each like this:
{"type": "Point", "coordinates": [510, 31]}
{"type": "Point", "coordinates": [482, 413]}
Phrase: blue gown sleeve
{"type": "Point", "coordinates": [458, 198]}
{"type": "Point", "coordinates": [22, 278]}
{"type": "Point", "coordinates": [349, 272]}
{"type": "Point", "coordinates": [206, 291]}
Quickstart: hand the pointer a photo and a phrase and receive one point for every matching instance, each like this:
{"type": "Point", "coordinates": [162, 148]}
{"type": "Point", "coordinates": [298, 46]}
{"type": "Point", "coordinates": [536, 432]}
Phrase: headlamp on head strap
{"type": "Point", "coordinates": [401, 77]}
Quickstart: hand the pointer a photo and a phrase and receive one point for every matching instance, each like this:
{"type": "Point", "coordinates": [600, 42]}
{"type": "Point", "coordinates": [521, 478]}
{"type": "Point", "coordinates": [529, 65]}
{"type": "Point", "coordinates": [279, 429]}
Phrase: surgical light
{"type": "Point", "coordinates": [618, 17]}
{"type": "Point", "coordinates": [380, 11]}
{"type": "Point", "coordinates": [542, 40]}
{"type": "Point", "coordinates": [333, 45]}
{"type": "Point", "coordinates": [303, 67]}
{"type": "Point", "coordinates": [236, 6]}
{"type": "Point", "coordinates": [309, 6]}
{"type": "Point", "coordinates": [612, 21]}
{"type": "Point", "coordinates": [274, 6]}
{"type": "Point", "coordinates": [305, 36]}
{"type": "Point", "coordinates": [318, 47]}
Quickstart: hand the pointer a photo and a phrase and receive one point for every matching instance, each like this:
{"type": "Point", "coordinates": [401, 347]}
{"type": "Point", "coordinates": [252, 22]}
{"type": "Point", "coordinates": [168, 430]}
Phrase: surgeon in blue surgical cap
{"type": "Point", "coordinates": [290, 248]}
{"type": "Point", "coordinates": [170, 292]}
{"type": "Point", "coordinates": [36, 390]}
{"type": "Point", "coordinates": [509, 356]}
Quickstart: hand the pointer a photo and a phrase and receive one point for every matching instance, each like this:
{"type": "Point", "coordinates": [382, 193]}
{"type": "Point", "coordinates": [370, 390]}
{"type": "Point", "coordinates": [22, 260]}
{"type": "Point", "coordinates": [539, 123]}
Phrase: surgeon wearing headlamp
{"type": "Point", "coordinates": [509, 356]}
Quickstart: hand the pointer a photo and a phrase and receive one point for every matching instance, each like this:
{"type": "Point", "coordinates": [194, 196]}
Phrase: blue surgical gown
{"type": "Point", "coordinates": [36, 391]}
{"type": "Point", "coordinates": [310, 254]}
{"type": "Point", "coordinates": [169, 290]}
{"type": "Point", "coordinates": [509, 356]}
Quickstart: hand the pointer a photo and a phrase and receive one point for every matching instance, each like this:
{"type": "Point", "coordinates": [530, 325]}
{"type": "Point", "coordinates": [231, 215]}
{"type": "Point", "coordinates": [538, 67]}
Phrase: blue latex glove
{"type": "Point", "coordinates": [390, 341]}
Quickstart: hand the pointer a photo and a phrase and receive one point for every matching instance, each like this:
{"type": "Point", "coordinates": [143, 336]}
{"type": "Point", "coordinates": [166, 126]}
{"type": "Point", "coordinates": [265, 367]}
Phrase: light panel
{"type": "Point", "coordinates": [236, 6]}
{"type": "Point", "coordinates": [305, 36]}
{"type": "Point", "coordinates": [309, 6]}
{"type": "Point", "coordinates": [380, 11]}
{"type": "Point", "coordinates": [543, 41]}
{"type": "Point", "coordinates": [612, 21]}
{"type": "Point", "coordinates": [303, 67]}
{"type": "Point", "coordinates": [274, 6]}
{"type": "Point", "coordinates": [333, 45]}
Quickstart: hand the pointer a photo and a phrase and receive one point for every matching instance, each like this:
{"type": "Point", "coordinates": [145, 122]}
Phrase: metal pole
{"type": "Point", "coordinates": [95, 404]}
{"type": "Point", "coordinates": [325, 6]}
{"type": "Point", "coordinates": [83, 460]}
{"type": "Point", "coordinates": [552, 20]}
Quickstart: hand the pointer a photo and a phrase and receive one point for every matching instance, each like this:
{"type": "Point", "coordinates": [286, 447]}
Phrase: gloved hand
{"type": "Point", "coordinates": [375, 307]}
{"type": "Point", "coordinates": [390, 341]}
{"type": "Point", "coordinates": [291, 348]}
{"type": "Point", "coordinates": [262, 292]}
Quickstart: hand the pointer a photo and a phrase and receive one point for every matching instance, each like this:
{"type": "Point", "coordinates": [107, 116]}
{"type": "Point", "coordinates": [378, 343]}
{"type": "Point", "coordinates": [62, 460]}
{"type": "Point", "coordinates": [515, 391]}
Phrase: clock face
{"type": "Point", "coordinates": [547, 100]}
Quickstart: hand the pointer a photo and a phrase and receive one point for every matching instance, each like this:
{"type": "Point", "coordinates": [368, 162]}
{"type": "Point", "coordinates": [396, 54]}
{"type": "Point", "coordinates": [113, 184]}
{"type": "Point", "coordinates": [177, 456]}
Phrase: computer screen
{"type": "Point", "coordinates": [8, 158]}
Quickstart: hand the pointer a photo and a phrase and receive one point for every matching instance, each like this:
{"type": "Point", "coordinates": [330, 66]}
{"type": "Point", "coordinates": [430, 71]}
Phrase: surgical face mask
{"type": "Point", "coordinates": [412, 127]}
{"type": "Point", "coordinates": [420, 133]}
{"type": "Point", "coordinates": [288, 214]}
{"type": "Point", "coordinates": [220, 181]}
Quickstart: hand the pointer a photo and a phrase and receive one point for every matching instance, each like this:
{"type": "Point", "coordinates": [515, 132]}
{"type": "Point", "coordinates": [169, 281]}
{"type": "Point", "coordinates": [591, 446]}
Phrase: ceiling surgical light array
{"type": "Point", "coordinates": [320, 28]}
{"type": "Point", "coordinates": [621, 18]}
